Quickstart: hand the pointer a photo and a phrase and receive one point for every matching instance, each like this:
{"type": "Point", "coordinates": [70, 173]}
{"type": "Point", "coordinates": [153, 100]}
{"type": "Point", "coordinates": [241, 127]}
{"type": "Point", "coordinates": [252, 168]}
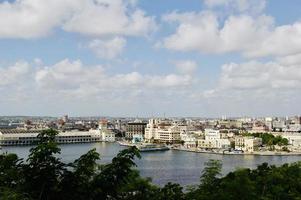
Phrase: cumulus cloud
{"type": "Point", "coordinates": [14, 74]}
{"type": "Point", "coordinates": [73, 76]}
{"type": "Point", "coordinates": [104, 17]}
{"type": "Point", "coordinates": [252, 6]}
{"type": "Point", "coordinates": [259, 79]}
{"type": "Point", "coordinates": [186, 66]}
{"type": "Point", "coordinates": [256, 88]}
{"type": "Point", "coordinates": [107, 48]}
{"type": "Point", "coordinates": [252, 36]}
{"type": "Point", "coordinates": [257, 75]}
{"type": "Point", "coordinates": [32, 18]}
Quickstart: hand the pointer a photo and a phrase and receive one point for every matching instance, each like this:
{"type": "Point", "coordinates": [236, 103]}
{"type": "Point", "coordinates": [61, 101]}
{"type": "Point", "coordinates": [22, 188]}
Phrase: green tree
{"type": "Point", "coordinates": [43, 170]}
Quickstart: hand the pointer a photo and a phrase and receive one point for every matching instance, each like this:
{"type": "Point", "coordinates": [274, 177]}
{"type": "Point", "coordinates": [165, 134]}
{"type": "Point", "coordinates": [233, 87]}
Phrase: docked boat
{"type": "Point", "coordinates": [143, 147]}
{"type": "Point", "coordinates": [125, 143]}
{"type": "Point", "coordinates": [152, 147]}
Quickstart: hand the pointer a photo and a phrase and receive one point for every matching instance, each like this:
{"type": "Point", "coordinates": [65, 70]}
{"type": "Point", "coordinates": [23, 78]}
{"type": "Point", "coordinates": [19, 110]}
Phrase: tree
{"type": "Point", "coordinates": [45, 176]}
{"type": "Point", "coordinates": [43, 170]}
{"type": "Point", "coordinates": [209, 182]}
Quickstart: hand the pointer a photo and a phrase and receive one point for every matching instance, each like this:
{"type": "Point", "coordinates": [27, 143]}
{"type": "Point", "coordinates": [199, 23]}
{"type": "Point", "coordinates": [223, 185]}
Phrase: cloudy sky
{"type": "Point", "coordinates": [146, 58]}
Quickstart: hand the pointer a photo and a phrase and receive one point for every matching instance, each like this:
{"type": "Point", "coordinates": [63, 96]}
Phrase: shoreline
{"type": "Point", "coordinates": [256, 153]}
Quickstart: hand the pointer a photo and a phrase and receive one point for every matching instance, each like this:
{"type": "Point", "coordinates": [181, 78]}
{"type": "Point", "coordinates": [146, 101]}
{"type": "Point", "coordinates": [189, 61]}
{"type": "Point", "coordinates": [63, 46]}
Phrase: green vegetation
{"type": "Point", "coordinates": [44, 176]}
{"type": "Point", "coordinates": [269, 139]}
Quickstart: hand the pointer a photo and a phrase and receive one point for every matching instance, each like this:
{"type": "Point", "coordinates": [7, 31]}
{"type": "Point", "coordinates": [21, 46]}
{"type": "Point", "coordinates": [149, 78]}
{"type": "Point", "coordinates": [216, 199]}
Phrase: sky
{"type": "Point", "coordinates": [178, 58]}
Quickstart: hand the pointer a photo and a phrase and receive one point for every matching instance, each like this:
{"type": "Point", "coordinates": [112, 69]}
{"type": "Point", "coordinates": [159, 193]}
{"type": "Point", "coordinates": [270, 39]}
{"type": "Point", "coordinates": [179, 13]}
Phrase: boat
{"type": "Point", "coordinates": [143, 147]}
{"type": "Point", "coordinates": [125, 143]}
{"type": "Point", "coordinates": [152, 147]}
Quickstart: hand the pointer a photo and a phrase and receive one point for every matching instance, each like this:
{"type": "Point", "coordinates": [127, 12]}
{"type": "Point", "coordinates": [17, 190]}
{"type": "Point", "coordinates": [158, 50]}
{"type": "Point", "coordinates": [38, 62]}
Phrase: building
{"type": "Point", "coordinates": [214, 144]}
{"type": "Point", "coordinates": [247, 144]}
{"type": "Point", "coordinates": [293, 138]}
{"type": "Point", "coordinates": [135, 128]}
{"type": "Point", "coordinates": [151, 130]}
{"type": "Point", "coordinates": [10, 137]}
{"type": "Point", "coordinates": [107, 134]}
{"type": "Point", "coordinates": [189, 139]}
{"type": "Point", "coordinates": [279, 125]}
{"type": "Point", "coordinates": [211, 134]}
{"type": "Point", "coordinates": [163, 131]}
{"type": "Point", "coordinates": [169, 134]}
{"type": "Point", "coordinates": [213, 140]}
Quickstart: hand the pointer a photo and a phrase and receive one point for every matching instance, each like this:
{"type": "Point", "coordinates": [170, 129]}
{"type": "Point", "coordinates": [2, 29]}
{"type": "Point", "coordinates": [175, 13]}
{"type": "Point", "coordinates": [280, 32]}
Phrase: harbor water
{"type": "Point", "coordinates": [163, 166]}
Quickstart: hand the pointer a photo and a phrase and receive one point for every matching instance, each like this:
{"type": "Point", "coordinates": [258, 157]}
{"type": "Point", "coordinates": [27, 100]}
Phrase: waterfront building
{"type": "Point", "coordinates": [211, 134]}
{"type": "Point", "coordinates": [247, 144]}
{"type": "Point", "coordinates": [107, 134]}
{"type": "Point", "coordinates": [214, 144]}
{"type": "Point", "coordinates": [151, 130]}
{"type": "Point", "coordinates": [163, 131]}
{"type": "Point", "coordinates": [189, 140]}
{"type": "Point", "coordinates": [26, 137]}
{"type": "Point", "coordinates": [134, 128]}
{"type": "Point", "coordinates": [169, 134]}
{"type": "Point", "coordinates": [294, 139]}
{"type": "Point", "coordinates": [213, 140]}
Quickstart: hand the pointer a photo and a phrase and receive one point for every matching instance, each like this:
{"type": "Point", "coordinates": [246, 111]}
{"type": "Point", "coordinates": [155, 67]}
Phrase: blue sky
{"type": "Point", "coordinates": [146, 58]}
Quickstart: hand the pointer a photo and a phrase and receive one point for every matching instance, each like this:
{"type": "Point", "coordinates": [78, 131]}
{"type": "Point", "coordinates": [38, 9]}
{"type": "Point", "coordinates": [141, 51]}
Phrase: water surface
{"type": "Point", "coordinates": [166, 166]}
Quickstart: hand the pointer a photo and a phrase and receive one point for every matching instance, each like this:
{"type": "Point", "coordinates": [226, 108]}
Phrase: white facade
{"type": "Point", "coordinates": [189, 140]}
{"type": "Point", "coordinates": [107, 135]}
{"type": "Point", "coordinates": [162, 131]}
{"type": "Point", "coordinates": [211, 134]}
{"type": "Point", "coordinates": [27, 137]}
{"type": "Point", "coordinates": [214, 144]}
{"type": "Point", "coordinates": [151, 129]}
{"type": "Point", "coordinates": [248, 144]}
{"type": "Point", "coordinates": [293, 138]}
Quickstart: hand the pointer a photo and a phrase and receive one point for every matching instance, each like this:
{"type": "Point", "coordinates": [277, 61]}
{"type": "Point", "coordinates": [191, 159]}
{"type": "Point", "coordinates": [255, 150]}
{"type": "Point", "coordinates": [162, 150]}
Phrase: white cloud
{"type": "Point", "coordinates": [107, 48]}
{"type": "Point", "coordinates": [186, 66]}
{"type": "Point", "coordinates": [257, 75]}
{"type": "Point", "coordinates": [253, 6]}
{"type": "Point", "coordinates": [15, 74]}
{"type": "Point", "coordinates": [255, 88]}
{"type": "Point", "coordinates": [290, 60]}
{"type": "Point", "coordinates": [73, 79]}
{"type": "Point", "coordinates": [104, 17]}
{"type": "Point", "coordinates": [251, 36]}
{"type": "Point", "coordinates": [33, 18]}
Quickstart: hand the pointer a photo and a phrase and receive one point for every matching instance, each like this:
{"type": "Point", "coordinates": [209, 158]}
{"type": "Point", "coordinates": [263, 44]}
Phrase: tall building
{"type": "Point", "coordinates": [135, 128]}
{"type": "Point", "coordinates": [163, 131]}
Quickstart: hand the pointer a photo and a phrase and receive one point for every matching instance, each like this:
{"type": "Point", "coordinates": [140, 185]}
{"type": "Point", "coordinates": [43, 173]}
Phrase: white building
{"type": "Point", "coordinates": [162, 131]}
{"type": "Point", "coordinates": [189, 140]}
{"type": "Point", "coordinates": [213, 140]}
{"type": "Point", "coordinates": [293, 138]}
{"type": "Point", "coordinates": [214, 144]}
{"type": "Point", "coordinates": [211, 134]}
{"type": "Point", "coordinates": [248, 144]}
{"type": "Point", "coordinates": [27, 137]}
{"type": "Point", "coordinates": [107, 135]}
{"type": "Point", "coordinates": [151, 129]}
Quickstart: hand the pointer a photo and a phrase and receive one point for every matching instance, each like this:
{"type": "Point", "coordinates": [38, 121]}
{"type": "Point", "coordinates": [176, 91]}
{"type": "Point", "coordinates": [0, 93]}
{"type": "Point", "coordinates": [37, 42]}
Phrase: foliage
{"type": "Point", "coordinates": [269, 139]}
{"type": "Point", "coordinates": [44, 176]}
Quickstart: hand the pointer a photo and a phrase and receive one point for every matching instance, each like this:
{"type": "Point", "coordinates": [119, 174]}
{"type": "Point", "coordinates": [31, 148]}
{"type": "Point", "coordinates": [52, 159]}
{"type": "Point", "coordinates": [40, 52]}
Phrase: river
{"type": "Point", "coordinates": [167, 166]}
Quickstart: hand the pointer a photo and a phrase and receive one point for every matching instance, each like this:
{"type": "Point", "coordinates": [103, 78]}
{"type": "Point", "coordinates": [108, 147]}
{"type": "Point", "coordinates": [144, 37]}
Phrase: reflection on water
{"type": "Point", "coordinates": [166, 166]}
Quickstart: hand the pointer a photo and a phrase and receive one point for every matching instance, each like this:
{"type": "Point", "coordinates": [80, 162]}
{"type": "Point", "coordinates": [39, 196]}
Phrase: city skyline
{"type": "Point", "coordinates": [206, 58]}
